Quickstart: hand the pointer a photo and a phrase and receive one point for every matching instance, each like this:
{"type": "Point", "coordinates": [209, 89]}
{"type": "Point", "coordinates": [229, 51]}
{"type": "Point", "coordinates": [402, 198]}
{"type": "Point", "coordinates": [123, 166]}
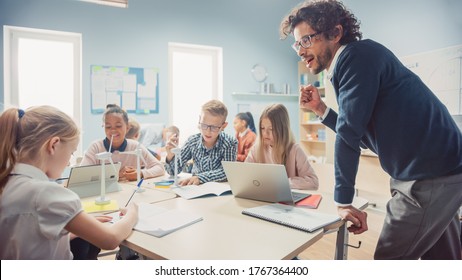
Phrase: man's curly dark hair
{"type": "Point", "coordinates": [323, 16]}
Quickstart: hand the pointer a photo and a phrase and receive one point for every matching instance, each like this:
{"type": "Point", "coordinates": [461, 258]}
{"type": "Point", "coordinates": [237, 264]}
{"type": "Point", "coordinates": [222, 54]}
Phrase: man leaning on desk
{"type": "Point", "coordinates": [385, 107]}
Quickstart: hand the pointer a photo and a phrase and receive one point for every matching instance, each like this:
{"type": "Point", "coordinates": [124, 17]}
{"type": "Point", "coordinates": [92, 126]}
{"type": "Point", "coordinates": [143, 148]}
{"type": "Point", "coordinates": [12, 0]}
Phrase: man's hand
{"type": "Point", "coordinates": [357, 217]}
{"type": "Point", "coordinates": [310, 99]}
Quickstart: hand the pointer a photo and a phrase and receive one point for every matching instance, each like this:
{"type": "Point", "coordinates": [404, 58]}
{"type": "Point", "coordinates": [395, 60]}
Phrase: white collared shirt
{"type": "Point", "coordinates": [330, 70]}
{"type": "Point", "coordinates": [330, 74]}
{"type": "Point", "coordinates": [33, 214]}
{"type": "Point", "coordinates": [242, 134]}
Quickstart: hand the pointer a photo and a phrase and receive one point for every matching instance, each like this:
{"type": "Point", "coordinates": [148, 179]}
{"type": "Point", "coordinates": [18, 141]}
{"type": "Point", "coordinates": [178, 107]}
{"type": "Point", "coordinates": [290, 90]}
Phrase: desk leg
{"type": "Point", "coordinates": [127, 254]}
{"type": "Point", "coordinates": [341, 246]}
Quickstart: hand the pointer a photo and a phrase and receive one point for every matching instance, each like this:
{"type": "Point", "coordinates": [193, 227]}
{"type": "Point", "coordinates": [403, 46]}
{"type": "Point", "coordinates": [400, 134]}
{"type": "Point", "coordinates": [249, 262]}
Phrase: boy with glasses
{"type": "Point", "coordinates": [207, 149]}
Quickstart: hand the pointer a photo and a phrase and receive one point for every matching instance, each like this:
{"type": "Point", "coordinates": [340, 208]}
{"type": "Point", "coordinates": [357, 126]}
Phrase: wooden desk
{"type": "Point", "coordinates": [225, 233]}
{"type": "Point", "coordinates": [148, 195]}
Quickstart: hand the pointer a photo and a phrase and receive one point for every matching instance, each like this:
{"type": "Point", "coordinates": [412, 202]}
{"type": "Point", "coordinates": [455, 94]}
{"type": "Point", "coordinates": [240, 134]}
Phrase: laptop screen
{"type": "Point", "coordinates": [259, 181]}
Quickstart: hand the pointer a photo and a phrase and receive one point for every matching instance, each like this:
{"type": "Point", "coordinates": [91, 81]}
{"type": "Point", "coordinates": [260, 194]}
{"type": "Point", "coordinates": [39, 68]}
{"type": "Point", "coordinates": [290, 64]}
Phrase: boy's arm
{"type": "Point", "coordinates": [185, 155]}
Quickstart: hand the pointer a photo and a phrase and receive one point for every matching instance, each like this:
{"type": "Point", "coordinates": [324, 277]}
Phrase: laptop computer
{"type": "Point", "coordinates": [85, 180]}
{"type": "Point", "coordinates": [261, 181]}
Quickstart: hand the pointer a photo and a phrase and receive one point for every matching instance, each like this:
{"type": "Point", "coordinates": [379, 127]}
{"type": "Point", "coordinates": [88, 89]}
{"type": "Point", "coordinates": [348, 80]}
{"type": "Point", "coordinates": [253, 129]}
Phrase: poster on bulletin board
{"type": "Point", "coordinates": [134, 89]}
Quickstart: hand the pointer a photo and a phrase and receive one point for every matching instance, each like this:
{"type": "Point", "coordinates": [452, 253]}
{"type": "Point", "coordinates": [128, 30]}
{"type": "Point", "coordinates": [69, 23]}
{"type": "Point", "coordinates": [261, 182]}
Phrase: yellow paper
{"type": "Point", "coordinates": [92, 207]}
{"type": "Point", "coordinates": [163, 187]}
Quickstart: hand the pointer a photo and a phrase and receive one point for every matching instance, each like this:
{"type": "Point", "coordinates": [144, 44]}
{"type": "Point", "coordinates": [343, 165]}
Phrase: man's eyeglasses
{"type": "Point", "coordinates": [213, 128]}
{"type": "Point", "coordinates": [305, 42]}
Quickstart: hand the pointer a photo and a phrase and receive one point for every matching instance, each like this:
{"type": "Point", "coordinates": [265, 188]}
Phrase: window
{"type": "Point", "coordinates": [196, 76]}
{"type": "Point", "coordinates": [43, 67]}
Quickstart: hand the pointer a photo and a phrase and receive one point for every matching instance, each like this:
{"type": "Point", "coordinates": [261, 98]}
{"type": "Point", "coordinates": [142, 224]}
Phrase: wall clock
{"type": "Point", "coordinates": [259, 73]}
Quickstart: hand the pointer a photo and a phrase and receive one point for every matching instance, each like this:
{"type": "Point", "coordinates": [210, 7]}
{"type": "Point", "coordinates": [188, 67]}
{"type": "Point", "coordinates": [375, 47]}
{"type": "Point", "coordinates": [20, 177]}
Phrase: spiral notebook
{"type": "Point", "coordinates": [287, 215]}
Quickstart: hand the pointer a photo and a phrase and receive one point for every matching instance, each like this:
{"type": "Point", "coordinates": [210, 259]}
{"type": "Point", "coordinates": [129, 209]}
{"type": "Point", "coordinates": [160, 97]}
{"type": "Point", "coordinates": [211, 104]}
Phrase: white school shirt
{"type": "Point", "coordinates": [153, 168]}
{"type": "Point", "coordinates": [33, 214]}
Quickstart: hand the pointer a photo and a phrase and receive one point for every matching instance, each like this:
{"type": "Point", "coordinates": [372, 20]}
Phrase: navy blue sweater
{"type": "Point", "coordinates": [387, 108]}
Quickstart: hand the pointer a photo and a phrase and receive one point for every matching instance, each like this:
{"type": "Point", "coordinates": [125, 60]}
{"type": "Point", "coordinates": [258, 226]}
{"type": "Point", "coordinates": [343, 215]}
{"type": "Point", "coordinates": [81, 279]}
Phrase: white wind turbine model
{"type": "Point", "coordinates": [176, 151]}
{"type": "Point", "coordinates": [102, 200]}
{"type": "Point", "coordinates": [138, 153]}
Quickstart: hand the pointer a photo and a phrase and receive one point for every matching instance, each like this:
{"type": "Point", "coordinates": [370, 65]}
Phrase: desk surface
{"type": "Point", "coordinates": [225, 233]}
{"type": "Point", "coordinates": [148, 195]}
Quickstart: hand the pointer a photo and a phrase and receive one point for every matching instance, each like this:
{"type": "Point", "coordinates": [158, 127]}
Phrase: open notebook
{"type": "Point", "coordinates": [206, 189]}
{"type": "Point", "coordinates": [158, 221]}
{"type": "Point", "coordinates": [295, 217]}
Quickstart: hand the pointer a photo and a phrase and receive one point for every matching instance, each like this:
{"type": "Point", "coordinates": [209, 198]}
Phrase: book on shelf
{"type": "Point", "coordinates": [206, 189]}
{"type": "Point", "coordinates": [159, 221]}
{"type": "Point", "coordinates": [294, 217]}
{"type": "Point", "coordinates": [311, 202]}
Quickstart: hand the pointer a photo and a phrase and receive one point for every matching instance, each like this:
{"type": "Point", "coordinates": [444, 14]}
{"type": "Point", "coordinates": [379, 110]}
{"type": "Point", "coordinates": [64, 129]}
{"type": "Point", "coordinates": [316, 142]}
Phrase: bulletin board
{"type": "Point", "coordinates": [134, 89]}
{"type": "Point", "coordinates": [441, 71]}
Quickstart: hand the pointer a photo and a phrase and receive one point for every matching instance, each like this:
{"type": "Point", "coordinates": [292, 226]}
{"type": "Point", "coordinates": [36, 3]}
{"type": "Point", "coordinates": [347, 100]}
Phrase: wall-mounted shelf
{"type": "Point", "coordinates": [311, 122]}
{"type": "Point", "coordinates": [313, 141]}
{"type": "Point", "coordinates": [265, 94]}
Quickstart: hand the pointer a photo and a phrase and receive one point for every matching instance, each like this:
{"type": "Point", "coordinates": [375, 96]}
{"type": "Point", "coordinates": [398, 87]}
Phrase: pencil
{"type": "Point", "coordinates": [138, 187]}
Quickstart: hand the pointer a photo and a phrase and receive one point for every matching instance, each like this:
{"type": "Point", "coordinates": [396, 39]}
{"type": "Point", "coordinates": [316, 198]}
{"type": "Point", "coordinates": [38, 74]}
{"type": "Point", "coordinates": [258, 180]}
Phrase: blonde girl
{"type": "Point", "coordinates": [37, 215]}
{"type": "Point", "coordinates": [276, 145]}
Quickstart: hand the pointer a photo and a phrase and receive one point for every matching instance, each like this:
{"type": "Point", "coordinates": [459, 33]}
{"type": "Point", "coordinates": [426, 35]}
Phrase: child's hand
{"type": "Point", "coordinates": [130, 173]}
{"type": "Point", "coordinates": [194, 180]}
{"type": "Point", "coordinates": [171, 143]}
{"type": "Point", "coordinates": [173, 140]}
{"type": "Point", "coordinates": [131, 208]}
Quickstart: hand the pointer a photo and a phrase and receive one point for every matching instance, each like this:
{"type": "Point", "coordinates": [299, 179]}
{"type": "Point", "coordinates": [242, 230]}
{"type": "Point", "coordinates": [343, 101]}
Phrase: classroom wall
{"type": "Point", "coordinates": [410, 26]}
{"type": "Point", "coordinates": [246, 29]}
{"type": "Point", "coordinates": [139, 37]}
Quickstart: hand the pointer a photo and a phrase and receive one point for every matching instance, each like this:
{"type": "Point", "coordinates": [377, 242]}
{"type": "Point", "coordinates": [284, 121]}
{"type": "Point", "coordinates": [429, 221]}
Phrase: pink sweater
{"type": "Point", "coordinates": [301, 174]}
{"type": "Point", "coordinates": [153, 168]}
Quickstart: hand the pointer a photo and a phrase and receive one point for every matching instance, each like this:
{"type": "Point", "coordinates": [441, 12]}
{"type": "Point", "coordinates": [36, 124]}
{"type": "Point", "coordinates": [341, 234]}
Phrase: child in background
{"type": "Point", "coordinates": [133, 129]}
{"type": "Point", "coordinates": [207, 149]}
{"type": "Point", "coordinates": [115, 123]}
{"type": "Point", "coordinates": [37, 215]}
{"type": "Point", "coordinates": [245, 134]}
{"type": "Point", "coordinates": [276, 145]}
{"type": "Point", "coordinates": [167, 133]}
{"type": "Point", "coordinates": [134, 133]}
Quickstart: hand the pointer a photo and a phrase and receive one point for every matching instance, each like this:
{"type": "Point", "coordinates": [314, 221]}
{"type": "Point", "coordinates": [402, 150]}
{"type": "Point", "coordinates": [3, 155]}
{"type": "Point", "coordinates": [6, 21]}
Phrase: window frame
{"type": "Point", "coordinates": [11, 36]}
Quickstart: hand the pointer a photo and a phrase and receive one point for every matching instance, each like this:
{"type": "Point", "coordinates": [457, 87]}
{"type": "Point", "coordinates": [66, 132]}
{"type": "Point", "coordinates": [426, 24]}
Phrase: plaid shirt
{"type": "Point", "coordinates": [207, 162]}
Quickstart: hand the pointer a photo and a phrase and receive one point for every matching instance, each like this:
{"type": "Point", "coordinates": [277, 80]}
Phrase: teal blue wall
{"type": "Point", "coordinates": [246, 29]}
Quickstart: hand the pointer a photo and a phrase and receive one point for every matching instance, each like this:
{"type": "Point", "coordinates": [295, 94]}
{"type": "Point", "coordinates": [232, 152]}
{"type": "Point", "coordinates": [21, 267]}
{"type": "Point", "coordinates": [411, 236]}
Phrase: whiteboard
{"type": "Point", "coordinates": [441, 71]}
